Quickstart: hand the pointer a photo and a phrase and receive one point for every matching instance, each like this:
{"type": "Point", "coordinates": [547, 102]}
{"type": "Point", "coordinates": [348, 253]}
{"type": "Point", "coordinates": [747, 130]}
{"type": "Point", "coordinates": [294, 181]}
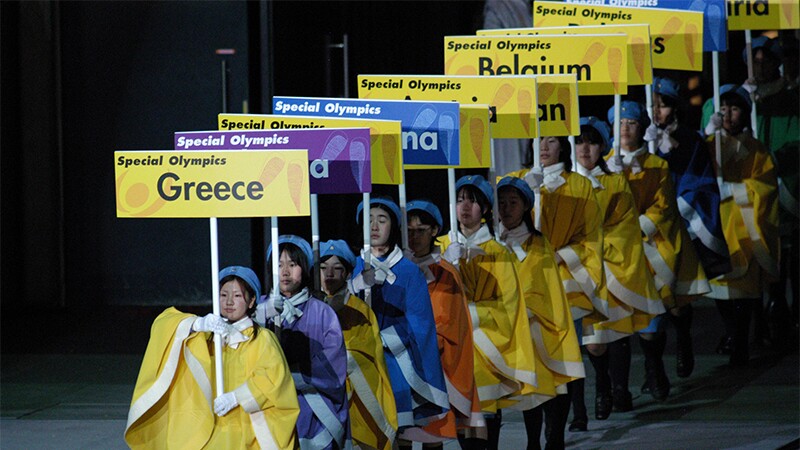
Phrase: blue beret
{"type": "Point", "coordinates": [633, 111]}
{"type": "Point", "coordinates": [520, 185]}
{"type": "Point", "coordinates": [601, 127]}
{"type": "Point", "coordinates": [479, 182]}
{"type": "Point", "coordinates": [769, 44]}
{"type": "Point", "coordinates": [338, 248]}
{"type": "Point", "coordinates": [244, 273]}
{"type": "Point", "coordinates": [737, 90]}
{"type": "Point", "coordinates": [428, 207]}
{"type": "Point", "coordinates": [666, 87]}
{"type": "Point", "coordinates": [380, 201]}
{"type": "Point", "coordinates": [297, 241]}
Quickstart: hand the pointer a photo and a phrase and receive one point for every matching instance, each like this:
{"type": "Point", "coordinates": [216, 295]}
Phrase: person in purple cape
{"type": "Point", "coordinates": [312, 340]}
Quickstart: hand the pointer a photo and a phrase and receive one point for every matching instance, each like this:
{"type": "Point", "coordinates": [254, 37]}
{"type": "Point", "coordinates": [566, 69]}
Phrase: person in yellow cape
{"type": "Point", "coordinates": [557, 352]}
{"type": "Point", "coordinates": [568, 215]}
{"type": "Point", "coordinates": [373, 415]}
{"type": "Point", "coordinates": [453, 330]}
{"type": "Point", "coordinates": [503, 348]}
{"type": "Point", "coordinates": [172, 403]}
{"type": "Point", "coordinates": [671, 257]}
{"type": "Point", "coordinates": [749, 211]}
{"type": "Point", "coordinates": [631, 289]}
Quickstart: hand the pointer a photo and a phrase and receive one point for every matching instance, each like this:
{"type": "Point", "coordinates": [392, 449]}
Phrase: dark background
{"type": "Point", "coordinates": [83, 79]}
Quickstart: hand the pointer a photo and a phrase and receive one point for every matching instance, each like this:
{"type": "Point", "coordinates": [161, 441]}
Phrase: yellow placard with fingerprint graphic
{"type": "Point", "coordinates": [599, 61]}
{"type": "Point", "coordinates": [676, 35]}
{"type": "Point", "coordinates": [640, 65]}
{"type": "Point", "coordinates": [763, 15]}
{"type": "Point", "coordinates": [559, 114]}
{"type": "Point", "coordinates": [386, 151]}
{"type": "Point", "coordinates": [226, 183]}
{"type": "Point", "coordinates": [475, 148]}
{"type": "Point", "coordinates": [512, 99]}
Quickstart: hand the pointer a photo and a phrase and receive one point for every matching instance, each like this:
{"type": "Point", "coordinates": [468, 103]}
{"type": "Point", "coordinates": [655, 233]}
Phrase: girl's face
{"type": "Point", "coordinates": [587, 154]}
{"type": "Point", "coordinates": [380, 225]}
{"type": "Point", "coordinates": [630, 134]}
{"type": "Point", "coordinates": [549, 148]}
{"type": "Point", "coordinates": [468, 210]}
{"type": "Point", "coordinates": [233, 301]}
{"type": "Point", "coordinates": [511, 207]}
{"type": "Point", "coordinates": [420, 236]}
{"type": "Point", "coordinates": [333, 275]}
{"type": "Point", "coordinates": [291, 275]}
{"type": "Point", "coordinates": [732, 118]}
{"type": "Point", "coordinates": [662, 114]}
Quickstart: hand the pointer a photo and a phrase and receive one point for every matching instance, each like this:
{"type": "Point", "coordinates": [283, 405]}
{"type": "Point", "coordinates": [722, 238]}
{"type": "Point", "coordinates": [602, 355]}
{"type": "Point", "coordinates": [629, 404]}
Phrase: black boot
{"type": "Point", "coordinates": [657, 379]}
{"type": "Point", "coordinates": [493, 423]}
{"type": "Point", "coordinates": [742, 312]}
{"type": "Point", "coordinates": [556, 412]}
{"type": "Point", "coordinates": [728, 313]}
{"type": "Point", "coordinates": [580, 420]}
{"type": "Point", "coordinates": [684, 355]}
{"type": "Point", "coordinates": [533, 425]}
{"type": "Point", "coordinates": [619, 366]}
{"type": "Point", "coordinates": [602, 401]}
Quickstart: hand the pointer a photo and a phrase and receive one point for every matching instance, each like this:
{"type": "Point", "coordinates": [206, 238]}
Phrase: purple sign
{"type": "Point", "coordinates": [338, 158]}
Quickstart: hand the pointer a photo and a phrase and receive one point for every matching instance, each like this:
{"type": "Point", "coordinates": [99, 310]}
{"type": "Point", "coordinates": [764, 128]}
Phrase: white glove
{"type": "Point", "coordinates": [749, 85]}
{"type": "Point", "coordinates": [225, 403]}
{"type": "Point", "coordinates": [214, 324]}
{"type": "Point", "coordinates": [651, 134]}
{"type": "Point", "coordinates": [714, 124]}
{"type": "Point", "coordinates": [454, 252]}
{"type": "Point", "coordinates": [365, 279]}
{"type": "Point", "coordinates": [534, 178]}
{"type": "Point", "coordinates": [270, 308]}
{"type": "Point", "coordinates": [725, 191]}
{"type": "Point", "coordinates": [614, 164]}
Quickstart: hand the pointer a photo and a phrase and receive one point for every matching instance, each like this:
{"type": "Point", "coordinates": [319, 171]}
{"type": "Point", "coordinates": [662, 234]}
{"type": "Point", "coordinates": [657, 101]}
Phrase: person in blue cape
{"type": "Point", "coordinates": [398, 295]}
{"type": "Point", "coordinates": [692, 172]}
{"type": "Point", "coordinates": [312, 340]}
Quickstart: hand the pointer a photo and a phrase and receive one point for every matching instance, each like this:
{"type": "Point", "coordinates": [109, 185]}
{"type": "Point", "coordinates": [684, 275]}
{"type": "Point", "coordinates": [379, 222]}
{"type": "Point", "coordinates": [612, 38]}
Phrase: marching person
{"type": "Point", "coordinates": [171, 404]}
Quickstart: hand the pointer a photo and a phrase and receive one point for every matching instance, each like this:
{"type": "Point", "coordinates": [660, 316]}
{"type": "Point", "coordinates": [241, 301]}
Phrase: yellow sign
{"type": "Point", "coordinates": [559, 114]}
{"type": "Point", "coordinates": [511, 99]}
{"type": "Point", "coordinates": [599, 62]}
{"type": "Point", "coordinates": [226, 183]}
{"type": "Point", "coordinates": [475, 148]}
{"type": "Point", "coordinates": [676, 35]}
{"type": "Point", "coordinates": [763, 14]}
{"type": "Point", "coordinates": [386, 149]}
{"type": "Point", "coordinates": [640, 66]}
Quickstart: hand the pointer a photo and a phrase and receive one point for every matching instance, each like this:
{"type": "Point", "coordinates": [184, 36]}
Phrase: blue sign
{"type": "Point", "coordinates": [430, 129]}
{"type": "Point", "coordinates": [715, 25]}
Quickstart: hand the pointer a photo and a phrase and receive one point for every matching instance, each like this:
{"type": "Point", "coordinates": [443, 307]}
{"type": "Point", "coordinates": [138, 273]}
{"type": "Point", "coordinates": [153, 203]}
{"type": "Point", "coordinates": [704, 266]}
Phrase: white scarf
{"type": "Point", "coordinates": [290, 311]}
{"type": "Point", "coordinates": [339, 299]}
{"type": "Point", "coordinates": [383, 269]}
{"type": "Point", "coordinates": [233, 340]}
{"type": "Point", "coordinates": [631, 159]}
{"type": "Point", "coordinates": [592, 175]}
{"type": "Point", "coordinates": [552, 176]}
{"type": "Point", "coordinates": [664, 141]}
{"type": "Point", "coordinates": [425, 262]}
{"type": "Point", "coordinates": [472, 243]}
{"type": "Point", "coordinates": [514, 238]}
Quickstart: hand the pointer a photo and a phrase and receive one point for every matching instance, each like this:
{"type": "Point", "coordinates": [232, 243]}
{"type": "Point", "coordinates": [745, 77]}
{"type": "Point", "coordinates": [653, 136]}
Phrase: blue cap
{"type": "Point", "coordinates": [299, 242]}
{"type": "Point", "coordinates": [601, 127]}
{"type": "Point", "coordinates": [338, 248]}
{"type": "Point", "coordinates": [633, 111]}
{"type": "Point", "coordinates": [244, 273]}
{"type": "Point", "coordinates": [479, 182]}
{"type": "Point", "coordinates": [428, 207]}
{"type": "Point", "coordinates": [520, 185]}
{"type": "Point", "coordinates": [380, 201]}
{"type": "Point", "coordinates": [666, 87]}
{"type": "Point", "coordinates": [769, 44]}
{"type": "Point", "coordinates": [738, 90]}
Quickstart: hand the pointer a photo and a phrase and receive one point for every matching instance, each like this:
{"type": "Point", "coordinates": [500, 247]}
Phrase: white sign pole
{"type": "Point", "coordinates": [220, 385]}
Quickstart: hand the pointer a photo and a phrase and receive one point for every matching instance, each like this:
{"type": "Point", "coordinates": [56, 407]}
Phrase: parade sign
{"type": "Point", "coordinates": [511, 99]}
{"type": "Point", "coordinates": [640, 67]}
{"type": "Point", "coordinates": [385, 150]}
{"type": "Point", "coordinates": [226, 183]}
{"type": "Point", "coordinates": [763, 14]}
{"type": "Point", "coordinates": [599, 61]}
{"type": "Point", "coordinates": [559, 114]}
{"type": "Point", "coordinates": [475, 139]}
{"type": "Point", "coordinates": [338, 158]}
{"type": "Point", "coordinates": [429, 129]}
{"type": "Point", "coordinates": [676, 35]}
{"type": "Point", "coordinates": [715, 30]}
